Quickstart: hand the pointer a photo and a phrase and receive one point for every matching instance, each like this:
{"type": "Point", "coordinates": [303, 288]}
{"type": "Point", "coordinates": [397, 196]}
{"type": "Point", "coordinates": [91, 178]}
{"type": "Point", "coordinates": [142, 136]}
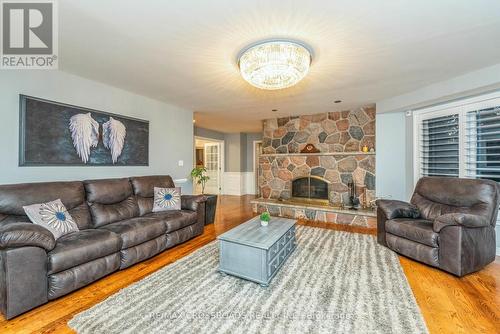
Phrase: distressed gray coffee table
{"type": "Point", "coordinates": [255, 252]}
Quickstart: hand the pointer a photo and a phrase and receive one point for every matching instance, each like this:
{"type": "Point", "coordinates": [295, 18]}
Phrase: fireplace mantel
{"type": "Point", "coordinates": [315, 212]}
{"type": "Point", "coordinates": [317, 154]}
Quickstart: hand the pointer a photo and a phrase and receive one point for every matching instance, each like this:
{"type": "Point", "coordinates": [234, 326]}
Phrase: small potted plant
{"type": "Point", "coordinates": [199, 175]}
{"type": "Point", "coordinates": [265, 217]}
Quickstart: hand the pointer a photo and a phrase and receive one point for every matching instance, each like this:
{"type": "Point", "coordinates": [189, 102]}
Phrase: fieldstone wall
{"type": "Point", "coordinates": [343, 132]}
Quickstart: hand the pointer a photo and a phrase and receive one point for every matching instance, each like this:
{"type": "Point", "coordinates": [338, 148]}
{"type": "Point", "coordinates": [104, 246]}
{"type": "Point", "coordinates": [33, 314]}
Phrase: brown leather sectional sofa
{"type": "Point", "coordinates": [117, 229]}
{"type": "Point", "coordinates": [449, 224]}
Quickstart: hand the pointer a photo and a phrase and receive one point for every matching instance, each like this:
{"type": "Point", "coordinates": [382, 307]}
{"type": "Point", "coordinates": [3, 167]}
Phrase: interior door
{"type": "Point", "coordinates": [213, 166]}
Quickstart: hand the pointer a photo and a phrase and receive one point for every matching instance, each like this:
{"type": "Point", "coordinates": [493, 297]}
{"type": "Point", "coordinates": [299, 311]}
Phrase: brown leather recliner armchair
{"type": "Point", "coordinates": [449, 224]}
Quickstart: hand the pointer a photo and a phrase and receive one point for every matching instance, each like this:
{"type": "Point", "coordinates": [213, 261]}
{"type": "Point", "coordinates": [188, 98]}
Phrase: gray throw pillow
{"type": "Point", "coordinates": [53, 216]}
{"type": "Point", "coordinates": [167, 199]}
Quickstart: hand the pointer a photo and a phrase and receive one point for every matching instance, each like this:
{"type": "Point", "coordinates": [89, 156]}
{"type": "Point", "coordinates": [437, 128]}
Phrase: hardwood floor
{"type": "Point", "coordinates": [449, 304]}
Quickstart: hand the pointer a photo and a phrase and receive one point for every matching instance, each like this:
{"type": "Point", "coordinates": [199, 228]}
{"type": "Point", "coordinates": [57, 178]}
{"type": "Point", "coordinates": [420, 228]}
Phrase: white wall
{"type": "Point", "coordinates": [391, 150]}
{"type": "Point", "coordinates": [233, 156]}
{"type": "Point", "coordinates": [472, 83]}
{"type": "Point", "coordinates": [170, 127]}
{"type": "Point", "coordinates": [238, 183]}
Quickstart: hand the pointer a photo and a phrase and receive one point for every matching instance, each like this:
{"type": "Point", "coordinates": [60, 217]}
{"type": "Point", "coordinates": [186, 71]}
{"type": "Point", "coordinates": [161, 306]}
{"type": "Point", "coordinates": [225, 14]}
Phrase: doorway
{"type": "Point", "coordinates": [209, 153]}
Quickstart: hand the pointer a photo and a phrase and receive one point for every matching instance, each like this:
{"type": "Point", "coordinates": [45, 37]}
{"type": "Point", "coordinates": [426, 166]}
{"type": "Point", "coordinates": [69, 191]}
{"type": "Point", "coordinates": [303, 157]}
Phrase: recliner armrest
{"type": "Point", "coordinates": [459, 219]}
{"type": "Point", "coordinates": [190, 202]}
{"type": "Point", "coordinates": [26, 234]}
{"type": "Point", "coordinates": [398, 209]}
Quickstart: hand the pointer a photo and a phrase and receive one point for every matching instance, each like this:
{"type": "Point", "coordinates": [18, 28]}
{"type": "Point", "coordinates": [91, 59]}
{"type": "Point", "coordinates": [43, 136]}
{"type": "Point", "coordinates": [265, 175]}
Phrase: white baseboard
{"type": "Point", "coordinates": [231, 183]}
{"type": "Point", "coordinates": [249, 183]}
{"type": "Point", "coordinates": [238, 183]}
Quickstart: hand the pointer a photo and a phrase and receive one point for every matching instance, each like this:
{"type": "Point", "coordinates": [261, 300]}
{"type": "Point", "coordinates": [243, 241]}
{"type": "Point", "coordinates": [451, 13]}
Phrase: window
{"type": "Point", "coordinates": [439, 146]}
{"type": "Point", "coordinates": [459, 139]}
{"type": "Point", "coordinates": [483, 144]}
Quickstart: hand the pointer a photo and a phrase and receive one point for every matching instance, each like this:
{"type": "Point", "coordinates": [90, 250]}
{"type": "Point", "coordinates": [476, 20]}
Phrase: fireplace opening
{"type": "Point", "coordinates": [310, 187]}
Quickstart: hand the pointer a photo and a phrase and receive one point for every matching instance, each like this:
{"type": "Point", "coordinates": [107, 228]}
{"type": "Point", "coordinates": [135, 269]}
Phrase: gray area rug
{"type": "Point", "coordinates": [334, 282]}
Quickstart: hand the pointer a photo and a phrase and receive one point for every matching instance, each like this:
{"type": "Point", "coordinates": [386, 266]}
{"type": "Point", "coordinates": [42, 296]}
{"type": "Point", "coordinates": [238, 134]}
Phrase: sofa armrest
{"type": "Point", "coordinates": [398, 209]}
{"type": "Point", "coordinates": [195, 203]}
{"type": "Point", "coordinates": [459, 219]}
{"type": "Point", "coordinates": [190, 202]}
{"type": "Point", "coordinates": [25, 235]}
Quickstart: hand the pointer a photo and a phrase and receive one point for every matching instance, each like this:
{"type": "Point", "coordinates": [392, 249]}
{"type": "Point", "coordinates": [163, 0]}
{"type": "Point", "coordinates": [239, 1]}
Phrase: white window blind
{"type": "Point", "coordinates": [482, 144]}
{"type": "Point", "coordinates": [459, 139]}
{"type": "Point", "coordinates": [439, 143]}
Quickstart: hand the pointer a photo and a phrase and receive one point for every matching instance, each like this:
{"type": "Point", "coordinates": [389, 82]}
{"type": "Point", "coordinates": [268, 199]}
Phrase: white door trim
{"type": "Point", "coordinates": [222, 160]}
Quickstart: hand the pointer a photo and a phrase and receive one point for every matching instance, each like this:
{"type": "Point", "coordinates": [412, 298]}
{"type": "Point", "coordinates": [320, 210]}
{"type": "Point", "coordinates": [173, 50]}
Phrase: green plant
{"type": "Point", "coordinates": [265, 216]}
{"type": "Point", "coordinates": [199, 175]}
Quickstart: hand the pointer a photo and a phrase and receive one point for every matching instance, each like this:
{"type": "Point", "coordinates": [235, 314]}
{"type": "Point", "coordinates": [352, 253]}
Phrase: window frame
{"type": "Point", "coordinates": [460, 107]}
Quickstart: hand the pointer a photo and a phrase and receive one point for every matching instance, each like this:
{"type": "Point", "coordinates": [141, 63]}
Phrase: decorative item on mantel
{"type": "Point", "coordinates": [310, 148]}
{"type": "Point", "coordinates": [352, 196]}
{"type": "Point", "coordinates": [265, 217]}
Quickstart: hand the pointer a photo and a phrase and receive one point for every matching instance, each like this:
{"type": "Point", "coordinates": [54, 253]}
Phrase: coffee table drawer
{"type": "Point", "coordinates": [278, 260]}
{"type": "Point", "coordinates": [273, 251]}
{"type": "Point", "coordinates": [273, 266]}
{"type": "Point", "coordinates": [280, 244]}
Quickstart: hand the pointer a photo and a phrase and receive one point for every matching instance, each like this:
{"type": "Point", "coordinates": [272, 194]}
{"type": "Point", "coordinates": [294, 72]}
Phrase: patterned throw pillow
{"type": "Point", "coordinates": [167, 199]}
{"type": "Point", "coordinates": [53, 216]}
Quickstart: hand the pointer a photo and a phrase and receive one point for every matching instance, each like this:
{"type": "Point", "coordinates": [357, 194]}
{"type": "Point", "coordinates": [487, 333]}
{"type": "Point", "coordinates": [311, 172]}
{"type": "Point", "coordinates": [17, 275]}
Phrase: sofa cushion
{"type": "Point", "coordinates": [141, 252]}
{"type": "Point", "coordinates": [103, 214]}
{"type": "Point", "coordinates": [110, 201]}
{"type": "Point", "coordinates": [74, 278]}
{"type": "Point", "coordinates": [436, 196]}
{"type": "Point", "coordinates": [108, 191]}
{"type": "Point", "coordinates": [144, 190]}
{"type": "Point", "coordinates": [135, 231]}
{"type": "Point", "coordinates": [418, 230]}
{"type": "Point", "coordinates": [144, 185]}
{"type": "Point", "coordinates": [72, 194]}
{"type": "Point", "coordinates": [167, 199]}
{"type": "Point", "coordinates": [80, 247]}
{"type": "Point", "coordinates": [414, 250]}
{"type": "Point", "coordinates": [175, 220]}
{"type": "Point", "coordinates": [53, 216]}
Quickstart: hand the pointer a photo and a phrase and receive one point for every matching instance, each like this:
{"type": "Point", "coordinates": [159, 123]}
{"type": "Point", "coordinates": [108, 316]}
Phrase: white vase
{"type": "Point", "coordinates": [263, 223]}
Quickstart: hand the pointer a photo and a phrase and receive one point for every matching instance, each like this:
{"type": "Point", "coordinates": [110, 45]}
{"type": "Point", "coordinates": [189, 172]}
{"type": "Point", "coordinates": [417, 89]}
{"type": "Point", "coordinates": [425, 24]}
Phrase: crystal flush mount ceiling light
{"type": "Point", "coordinates": [275, 64]}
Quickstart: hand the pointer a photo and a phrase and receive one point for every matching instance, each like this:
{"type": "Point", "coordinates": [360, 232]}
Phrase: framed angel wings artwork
{"type": "Point", "coordinates": [58, 134]}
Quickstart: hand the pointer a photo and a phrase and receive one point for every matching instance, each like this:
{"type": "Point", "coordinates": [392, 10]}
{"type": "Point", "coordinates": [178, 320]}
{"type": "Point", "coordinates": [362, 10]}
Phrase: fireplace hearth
{"type": "Point", "coordinates": [310, 187]}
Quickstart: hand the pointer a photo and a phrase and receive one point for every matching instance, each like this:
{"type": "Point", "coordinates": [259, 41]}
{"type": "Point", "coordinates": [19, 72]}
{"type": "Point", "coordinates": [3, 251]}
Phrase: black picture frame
{"type": "Point", "coordinates": [45, 139]}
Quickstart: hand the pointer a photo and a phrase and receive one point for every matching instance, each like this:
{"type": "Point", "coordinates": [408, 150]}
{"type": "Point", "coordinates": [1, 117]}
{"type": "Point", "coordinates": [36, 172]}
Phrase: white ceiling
{"type": "Point", "coordinates": [184, 51]}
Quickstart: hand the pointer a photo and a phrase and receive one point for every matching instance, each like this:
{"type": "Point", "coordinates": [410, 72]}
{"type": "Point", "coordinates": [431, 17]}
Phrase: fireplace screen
{"type": "Point", "coordinates": [310, 187]}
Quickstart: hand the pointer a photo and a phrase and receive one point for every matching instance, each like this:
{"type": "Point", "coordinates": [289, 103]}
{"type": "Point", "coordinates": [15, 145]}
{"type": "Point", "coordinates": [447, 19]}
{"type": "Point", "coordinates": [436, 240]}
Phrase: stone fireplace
{"type": "Point", "coordinates": [286, 174]}
{"type": "Point", "coordinates": [310, 187]}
